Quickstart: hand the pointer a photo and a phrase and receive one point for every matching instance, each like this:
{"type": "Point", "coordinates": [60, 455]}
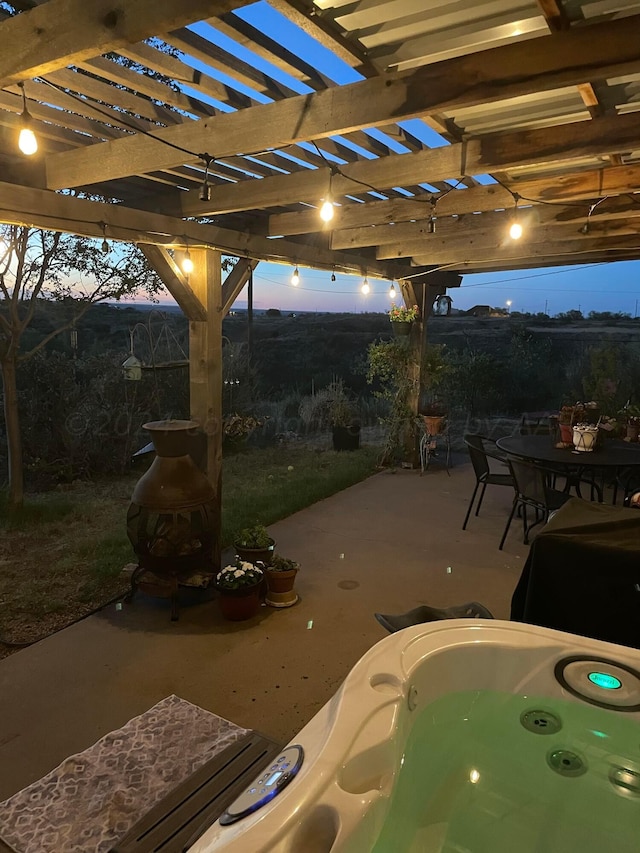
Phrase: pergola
{"type": "Point", "coordinates": [462, 115]}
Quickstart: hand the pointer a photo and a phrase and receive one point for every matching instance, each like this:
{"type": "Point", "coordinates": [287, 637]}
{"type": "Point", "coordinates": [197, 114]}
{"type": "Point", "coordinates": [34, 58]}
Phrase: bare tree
{"type": "Point", "coordinates": [38, 266]}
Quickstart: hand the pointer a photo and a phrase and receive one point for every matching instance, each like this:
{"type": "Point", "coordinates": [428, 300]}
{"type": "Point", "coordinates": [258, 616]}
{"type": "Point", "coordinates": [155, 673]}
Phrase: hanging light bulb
{"type": "Point", "coordinates": [27, 141]}
{"type": "Point", "coordinates": [431, 227]}
{"type": "Point", "coordinates": [187, 263]}
{"type": "Point", "coordinates": [393, 293]}
{"type": "Point", "coordinates": [295, 278]}
{"type": "Point", "coordinates": [365, 286]}
{"type": "Point", "coordinates": [333, 276]}
{"type": "Point", "coordinates": [105, 246]}
{"type": "Point", "coordinates": [515, 231]}
{"type": "Point", "coordinates": [326, 211]}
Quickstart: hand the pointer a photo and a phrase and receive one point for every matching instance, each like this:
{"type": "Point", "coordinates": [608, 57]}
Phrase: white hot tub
{"type": "Point", "coordinates": [456, 736]}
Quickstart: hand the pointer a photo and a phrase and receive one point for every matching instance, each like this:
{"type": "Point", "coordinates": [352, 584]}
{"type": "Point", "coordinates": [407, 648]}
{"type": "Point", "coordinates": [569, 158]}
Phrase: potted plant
{"type": "Point", "coordinates": [332, 407]}
{"type": "Point", "coordinates": [254, 544]}
{"type": "Point", "coordinates": [402, 319]}
{"type": "Point", "coordinates": [435, 369]}
{"type": "Point", "coordinates": [565, 423]}
{"type": "Point", "coordinates": [631, 418]}
{"type": "Point", "coordinates": [239, 585]}
{"type": "Point", "coordinates": [281, 576]}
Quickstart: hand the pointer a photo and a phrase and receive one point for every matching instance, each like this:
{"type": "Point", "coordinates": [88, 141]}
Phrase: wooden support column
{"type": "Point", "coordinates": [205, 371]}
{"type": "Point", "coordinates": [421, 292]}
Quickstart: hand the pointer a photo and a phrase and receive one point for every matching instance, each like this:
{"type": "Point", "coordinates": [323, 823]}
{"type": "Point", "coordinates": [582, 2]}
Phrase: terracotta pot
{"type": "Point", "coordinates": [434, 423]}
{"type": "Point", "coordinates": [281, 581]}
{"type": "Point", "coordinates": [566, 433]}
{"type": "Point", "coordinates": [280, 592]}
{"type": "Point", "coordinates": [237, 605]}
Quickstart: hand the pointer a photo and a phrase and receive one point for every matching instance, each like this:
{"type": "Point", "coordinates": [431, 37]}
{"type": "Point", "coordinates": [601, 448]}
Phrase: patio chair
{"type": "Point", "coordinates": [424, 613]}
{"type": "Point", "coordinates": [481, 449]}
{"type": "Point", "coordinates": [532, 490]}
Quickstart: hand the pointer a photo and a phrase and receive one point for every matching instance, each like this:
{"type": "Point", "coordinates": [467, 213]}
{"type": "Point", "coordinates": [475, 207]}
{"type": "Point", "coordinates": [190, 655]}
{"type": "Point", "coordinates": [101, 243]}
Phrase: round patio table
{"type": "Point", "coordinates": [612, 458]}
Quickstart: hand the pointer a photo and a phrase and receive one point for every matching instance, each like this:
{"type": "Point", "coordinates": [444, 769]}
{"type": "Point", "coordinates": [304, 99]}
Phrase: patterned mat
{"type": "Point", "coordinates": [92, 799]}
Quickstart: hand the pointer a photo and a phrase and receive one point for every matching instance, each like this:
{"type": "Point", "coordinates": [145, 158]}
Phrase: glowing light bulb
{"type": "Point", "coordinates": [474, 777]}
{"type": "Point", "coordinates": [515, 232]}
{"type": "Point", "coordinates": [326, 211]}
{"type": "Point", "coordinates": [295, 278]}
{"type": "Point", "coordinates": [365, 287]}
{"type": "Point", "coordinates": [27, 141]}
{"type": "Point", "coordinates": [393, 293]}
{"type": "Point", "coordinates": [187, 263]}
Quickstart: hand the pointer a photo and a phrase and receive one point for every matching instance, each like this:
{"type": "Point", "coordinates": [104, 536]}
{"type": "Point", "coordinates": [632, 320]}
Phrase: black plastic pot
{"type": "Point", "coordinates": [346, 437]}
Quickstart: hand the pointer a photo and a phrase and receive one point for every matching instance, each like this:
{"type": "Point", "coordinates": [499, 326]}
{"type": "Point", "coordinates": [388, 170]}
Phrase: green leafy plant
{"type": "Point", "coordinates": [330, 406]}
{"type": "Point", "coordinates": [402, 314]}
{"type": "Point", "coordinates": [393, 366]}
{"type": "Point", "coordinates": [256, 536]}
{"type": "Point", "coordinates": [282, 564]}
{"type": "Point", "coordinates": [239, 574]}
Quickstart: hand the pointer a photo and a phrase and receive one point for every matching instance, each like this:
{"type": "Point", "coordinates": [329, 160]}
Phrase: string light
{"type": "Point", "coordinates": [205, 189]}
{"type": "Point", "coordinates": [326, 211]}
{"type": "Point", "coordinates": [587, 227]}
{"type": "Point", "coordinates": [431, 227]}
{"type": "Point", "coordinates": [295, 278]}
{"type": "Point", "coordinates": [365, 286]}
{"type": "Point", "coordinates": [105, 245]}
{"type": "Point", "coordinates": [333, 275]}
{"type": "Point", "coordinates": [515, 231]}
{"type": "Point", "coordinates": [393, 293]}
{"type": "Point", "coordinates": [187, 263]}
{"type": "Point", "coordinates": [27, 141]}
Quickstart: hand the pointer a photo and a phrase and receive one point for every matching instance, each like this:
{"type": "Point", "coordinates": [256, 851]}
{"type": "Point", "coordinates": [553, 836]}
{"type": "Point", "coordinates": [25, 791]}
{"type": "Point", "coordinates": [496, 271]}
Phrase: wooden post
{"type": "Point", "coordinates": [423, 294]}
{"type": "Point", "coordinates": [205, 371]}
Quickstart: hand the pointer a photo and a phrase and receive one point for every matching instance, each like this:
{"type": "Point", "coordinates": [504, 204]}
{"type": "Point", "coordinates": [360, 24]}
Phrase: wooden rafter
{"type": "Point", "coordinates": [57, 212]}
{"type": "Point", "coordinates": [563, 59]}
{"type": "Point", "coordinates": [34, 43]}
{"type": "Point", "coordinates": [496, 151]}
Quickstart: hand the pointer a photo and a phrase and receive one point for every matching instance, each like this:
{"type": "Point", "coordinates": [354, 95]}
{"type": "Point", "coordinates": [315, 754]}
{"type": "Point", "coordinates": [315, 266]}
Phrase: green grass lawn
{"type": "Point", "coordinates": [63, 555]}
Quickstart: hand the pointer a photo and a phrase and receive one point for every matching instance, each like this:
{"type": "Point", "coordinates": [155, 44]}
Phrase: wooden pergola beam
{"type": "Point", "coordinates": [456, 240]}
{"type": "Point", "coordinates": [235, 281]}
{"type": "Point", "coordinates": [63, 32]}
{"type": "Point", "coordinates": [589, 185]}
{"type": "Point", "coordinates": [488, 153]}
{"type": "Point", "coordinates": [539, 222]}
{"type": "Point", "coordinates": [175, 281]}
{"type": "Point", "coordinates": [565, 252]}
{"type": "Point", "coordinates": [58, 212]}
{"type": "Point", "coordinates": [563, 59]}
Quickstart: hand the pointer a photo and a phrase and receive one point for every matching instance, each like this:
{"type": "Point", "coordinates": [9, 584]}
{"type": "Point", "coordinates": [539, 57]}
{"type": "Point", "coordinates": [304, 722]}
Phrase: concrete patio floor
{"type": "Point", "coordinates": [387, 544]}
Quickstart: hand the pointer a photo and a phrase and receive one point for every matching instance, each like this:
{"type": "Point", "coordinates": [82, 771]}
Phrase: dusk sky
{"type": "Point", "coordinates": [594, 287]}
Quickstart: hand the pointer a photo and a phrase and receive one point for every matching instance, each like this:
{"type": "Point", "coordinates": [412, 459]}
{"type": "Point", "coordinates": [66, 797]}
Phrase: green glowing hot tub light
{"type": "Point", "coordinates": [602, 679]}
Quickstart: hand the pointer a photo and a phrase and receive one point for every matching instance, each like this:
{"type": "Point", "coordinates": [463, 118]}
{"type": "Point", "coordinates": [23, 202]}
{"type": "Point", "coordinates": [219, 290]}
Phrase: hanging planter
{"type": "Point", "coordinates": [401, 329]}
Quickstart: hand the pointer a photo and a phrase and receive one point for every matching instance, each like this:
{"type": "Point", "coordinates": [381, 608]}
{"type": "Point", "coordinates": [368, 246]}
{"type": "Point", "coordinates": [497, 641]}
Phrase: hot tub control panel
{"type": "Point", "coordinates": [606, 683]}
{"type": "Point", "coordinates": [266, 786]}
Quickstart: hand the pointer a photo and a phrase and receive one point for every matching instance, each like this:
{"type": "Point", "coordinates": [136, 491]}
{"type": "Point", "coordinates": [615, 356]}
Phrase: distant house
{"type": "Point", "coordinates": [479, 311]}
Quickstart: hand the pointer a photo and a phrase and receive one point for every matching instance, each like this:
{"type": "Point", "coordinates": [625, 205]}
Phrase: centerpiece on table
{"type": "Point", "coordinates": [402, 319]}
{"type": "Point", "coordinates": [239, 587]}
